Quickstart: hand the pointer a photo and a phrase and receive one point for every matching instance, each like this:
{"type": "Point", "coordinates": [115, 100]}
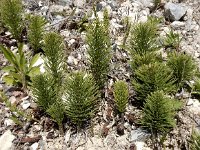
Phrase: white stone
{"type": "Point", "coordinates": [34, 146]}
{"type": "Point", "coordinates": [8, 122]}
{"type": "Point", "coordinates": [70, 60]}
{"type": "Point", "coordinates": [79, 3]}
{"type": "Point", "coordinates": [65, 33]}
{"type": "Point", "coordinates": [67, 136]}
{"type": "Point", "coordinates": [25, 104]}
{"type": "Point", "coordinates": [71, 41]}
{"type": "Point", "coordinates": [141, 146]}
{"type": "Point", "coordinates": [177, 24]}
{"type": "Point", "coordinates": [6, 140]}
{"type": "Point", "coordinates": [12, 99]}
{"type": "Point", "coordinates": [56, 8]}
{"type": "Point", "coordinates": [174, 12]}
{"type": "Point", "coordinates": [40, 62]}
{"type": "Point", "coordinates": [193, 106]}
{"type": "Point", "coordinates": [143, 19]}
{"type": "Point", "coordinates": [138, 134]}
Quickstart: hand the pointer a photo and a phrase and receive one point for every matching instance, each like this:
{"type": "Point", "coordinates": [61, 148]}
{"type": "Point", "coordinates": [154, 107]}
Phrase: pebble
{"type": "Point", "coordinates": [12, 99]}
{"type": "Point", "coordinates": [25, 104]}
{"type": "Point", "coordinates": [34, 146]}
{"type": "Point", "coordinates": [174, 12]}
{"type": "Point", "coordinates": [6, 140]}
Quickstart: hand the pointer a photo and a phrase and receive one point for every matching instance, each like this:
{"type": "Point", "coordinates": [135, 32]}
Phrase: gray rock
{"type": "Point", "coordinates": [66, 2]}
{"type": "Point", "coordinates": [138, 135]}
{"type": "Point", "coordinates": [79, 3]}
{"type": "Point", "coordinates": [6, 140]}
{"type": "Point", "coordinates": [174, 12]}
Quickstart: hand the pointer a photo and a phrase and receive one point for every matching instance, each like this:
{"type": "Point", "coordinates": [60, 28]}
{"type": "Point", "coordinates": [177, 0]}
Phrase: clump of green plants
{"type": "Point", "coordinates": [158, 115]}
{"type": "Point", "coordinates": [20, 69]}
{"type": "Point", "coordinates": [196, 88]}
{"type": "Point", "coordinates": [172, 40]}
{"type": "Point", "coordinates": [143, 37]}
{"type": "Point", "coordinates": [182, 66]}
{"type": "Point", "coordinates": [47, 88]}
{"type": "Point", "coordinates": [150, 78]}
{"type": "Point", "coordinates": [82, 97]}
{"type": "Point", "coordinates": [11, 16]}
{"type": "Point", "coordinates": [98, 40]}
{"type": "Point", "coordinates": [121, 95]}
{"type": "Point", "coordinates": [43, 91]}
{"type": "Point", "coordinates": [195, 141]}
{"type": "Point", "coordinates": [36, 31]}
{"type": "Point", "coordinates": [54, 57]}
{"type": "Point", "coordinates": [143, 43]}
{"type": "Point", "coordinates": [56, 111]}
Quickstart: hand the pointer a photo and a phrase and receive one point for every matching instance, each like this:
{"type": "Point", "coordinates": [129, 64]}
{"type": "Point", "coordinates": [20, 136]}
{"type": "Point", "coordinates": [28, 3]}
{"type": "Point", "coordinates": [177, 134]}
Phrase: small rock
{"type": "Point", "coordinates": [138, 134]}
{"type": "Point", "coordinates": [141, 146]}
{"type": "Point", "coordinates": [177, 24]}
{"type": "Point", "coordinates": [12, 99]}
{"type": "Point", "coordinates": [25, 104]}
{"type": "Point", "coordinates": [70, 60]}
{"type": "Point", "coordinates": [9, 122]}
{"type": "Point", "coordinates": [79, 3]}
{"type": "Point", "coordinates": [56, 8]}
{"type": "Point", "coordinates": [34, 146]}
{"type": "Point", "coordinates": [6, 140]}
{"type": "Point", "coordinates": [67, 136]}
{"type": "Point", "coordinates": [174, 12]}
{"type": "Point", "coordinates": [120, 129]}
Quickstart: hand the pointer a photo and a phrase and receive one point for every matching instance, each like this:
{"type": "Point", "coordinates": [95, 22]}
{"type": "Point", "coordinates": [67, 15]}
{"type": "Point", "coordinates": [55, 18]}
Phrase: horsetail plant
{"type": "Point", "coordinates": [121, 95]}
{"type": "Point", "coordinates": [158, 115]}
{"type": "Point", "coordinates": [99, 44]}
{"type": "Point", "coordinates": [81, 94]}
{"type": "Point", "coordinates": [35, 31]}
{"type": "Point", "coordinates": [11, 16]}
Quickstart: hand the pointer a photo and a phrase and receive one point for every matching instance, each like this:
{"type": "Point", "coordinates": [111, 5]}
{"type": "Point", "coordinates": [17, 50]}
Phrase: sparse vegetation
{"type": "Point", "coordinates": [11, 16]}
{"type": "Point", "coordinates": [99, 49]}
{"type": "Point", "coordinates": [121, 95]}
{"type": "Point", "coordinates": [20, 69]}
{"type": "Point", "coordinates": [182, 66]}
{"type": "Point", "coordinates": [195, 141]}
{"type": "Point", "coordinates": [150, 78]}
{"type": "Point", "coordinates": [158, 115]}
{"type": "Point", "coordinates": [82, 96]}
{"type": "Point", "coordinates": [36, 32]}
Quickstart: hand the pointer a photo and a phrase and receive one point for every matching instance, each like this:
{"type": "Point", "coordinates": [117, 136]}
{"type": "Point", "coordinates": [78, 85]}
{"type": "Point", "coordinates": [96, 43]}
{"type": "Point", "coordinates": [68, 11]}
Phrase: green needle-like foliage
{"type": "Point", "coordinates": [195, 141]}
{"type": "Point", "coordinates": [183, 67]}
{"type": "Point", "coordinates": [143, 43]}
{"type": "Point", "coordinates": [36, 31]}
{"type": "Point", "coordinates": [172, 40]}
{"type": "Point", "coordinates": [11, 15]}
{"type": "Point", "coordinates": [143, 37]}
{"type": "Point", "coordinates": [196, 88]}
{"type": "Point", "coordinates": [81, 97]}
{"type": "Point", "coordinates": [98, 41]}
{"type": "Point", "coordinates": [20, 69]}
{"type": "Point", "coordinates": [55, 58]}
{"type": "Point", "coordinates": [158, 114]}
{"type": "Point", "coordinates": [121, 95]}
{"type": "Point", "coordinates": [145, 59]}
{"type": "Point", "coordinates": [56, 111]}
{"type": "Point", "coordinates": [43, 91]}
{"type": "Point", "coordinates": [150, 78]}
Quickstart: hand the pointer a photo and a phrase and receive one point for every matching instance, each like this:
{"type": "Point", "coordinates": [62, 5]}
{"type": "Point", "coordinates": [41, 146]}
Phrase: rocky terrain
{"type": "Point", "coordinates": [106, 131]}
